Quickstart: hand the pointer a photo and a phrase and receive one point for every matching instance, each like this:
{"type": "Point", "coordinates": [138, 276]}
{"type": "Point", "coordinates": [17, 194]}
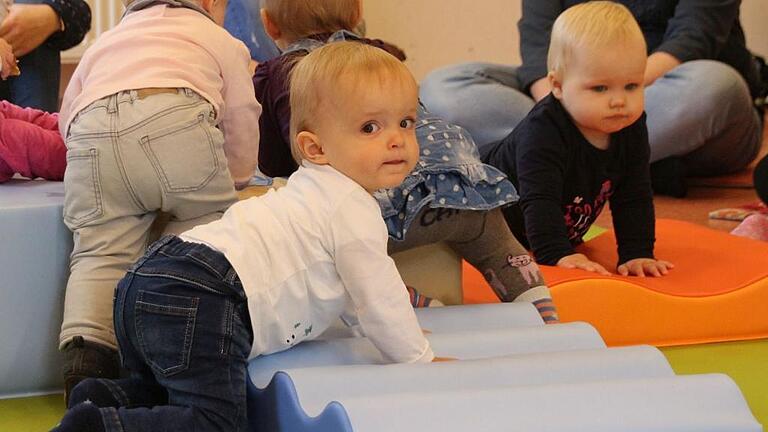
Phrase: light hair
{"type": "Point", "coordinates": [297, 19]}
{"type": "Point", "coordinates": [332, 70]}
{"type": "Point", "coordinates": [595, 24]}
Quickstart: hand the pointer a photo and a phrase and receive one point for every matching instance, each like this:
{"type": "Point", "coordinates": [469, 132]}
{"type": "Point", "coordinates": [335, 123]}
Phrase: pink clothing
{"type": "Point", "coordinates": [166, 47]}
{"type": "Point", "coordinates": [30, 143]}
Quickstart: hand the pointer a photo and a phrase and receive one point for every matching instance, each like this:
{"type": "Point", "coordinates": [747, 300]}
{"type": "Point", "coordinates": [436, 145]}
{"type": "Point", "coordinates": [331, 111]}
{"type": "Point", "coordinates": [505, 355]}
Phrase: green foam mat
{"type": "Point", "coordinates": [31, 414]}
{"type": "Point", "coordinates": [745, 362]}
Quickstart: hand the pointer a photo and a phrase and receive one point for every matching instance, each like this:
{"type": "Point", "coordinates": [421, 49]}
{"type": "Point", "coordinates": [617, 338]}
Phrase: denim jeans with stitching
{"type": "Point", "coordinates": [131, 158]}
{"type": "Point", "coordinates": [182, 324]}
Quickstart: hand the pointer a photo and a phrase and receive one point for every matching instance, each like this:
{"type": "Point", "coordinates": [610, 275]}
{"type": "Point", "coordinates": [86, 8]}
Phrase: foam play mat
{"type": "Point", "coordinates": [511, 372]}
{"type": "Point", "coordinates": [743, 361]}
{"type": "Point", "coordinates": [717, 292]}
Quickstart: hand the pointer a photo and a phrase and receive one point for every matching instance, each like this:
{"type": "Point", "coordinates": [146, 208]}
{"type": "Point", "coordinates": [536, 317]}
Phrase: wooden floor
{"type": "Point", "coordinates": [701, 200]}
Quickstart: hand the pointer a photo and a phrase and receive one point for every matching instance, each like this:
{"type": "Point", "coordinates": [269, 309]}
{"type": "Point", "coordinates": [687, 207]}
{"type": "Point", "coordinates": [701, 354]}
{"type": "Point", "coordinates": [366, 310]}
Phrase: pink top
{"type": "Point", "coordinates": [167, 47]}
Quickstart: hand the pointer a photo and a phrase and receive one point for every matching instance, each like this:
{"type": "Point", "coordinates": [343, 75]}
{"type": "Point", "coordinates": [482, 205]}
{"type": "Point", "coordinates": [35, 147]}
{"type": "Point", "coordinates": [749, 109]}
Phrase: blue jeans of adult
{"type": "Point", "coordinates": [38, 84]}
{"type": "Point", "coordinates": [243, 21]}
{"type": "Point", "coordinates": [701, 111]}
{"type": "Point", "coordinates": [182, 324]}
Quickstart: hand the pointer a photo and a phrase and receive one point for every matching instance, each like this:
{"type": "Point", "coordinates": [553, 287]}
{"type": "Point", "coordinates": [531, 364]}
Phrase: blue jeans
{"type": "Point", "coordinates": [38, 84]}
{"type": "Point", "coordinates": [701, 111]}
{"type": "Point", "coordinates": [182, 324]}
{"type": "Point", "coordinates": [243, 21]}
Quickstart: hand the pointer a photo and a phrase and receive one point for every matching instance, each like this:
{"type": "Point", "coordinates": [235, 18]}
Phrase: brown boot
{"type": "Point", "coordinates": [84, 359]}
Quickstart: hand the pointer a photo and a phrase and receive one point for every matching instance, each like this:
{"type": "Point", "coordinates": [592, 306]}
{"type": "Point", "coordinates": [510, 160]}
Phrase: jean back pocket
{"type": "Point", "coordinates": [184, 157]}
{"type": "Point", "coordinates": [165, 327]}
{"type": "Point", "coordinates": [82, 200]}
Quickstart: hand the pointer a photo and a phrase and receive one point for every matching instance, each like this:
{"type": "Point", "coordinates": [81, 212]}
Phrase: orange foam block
{"type": "Point", "coordinates": [718, 290]}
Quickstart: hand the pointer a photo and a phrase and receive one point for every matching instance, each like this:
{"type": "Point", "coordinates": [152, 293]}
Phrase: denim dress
{"type": "Point", "coordinates": [449, 173]}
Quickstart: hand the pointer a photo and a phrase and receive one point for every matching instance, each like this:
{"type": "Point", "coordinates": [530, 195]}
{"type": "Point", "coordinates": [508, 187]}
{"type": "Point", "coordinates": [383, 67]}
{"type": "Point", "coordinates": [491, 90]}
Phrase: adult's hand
{"type": "Point", "coordinates": [658, 64]}
{"type": "Point", "coordinates": [540, 88]}
{"type": "Point", "coordinates": [27, 26]}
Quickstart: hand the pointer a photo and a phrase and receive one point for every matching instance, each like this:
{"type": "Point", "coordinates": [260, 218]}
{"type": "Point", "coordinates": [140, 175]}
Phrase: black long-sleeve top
{"type": "Point", "coordinates": [564, 182]}
{"type": "Point", "coordinates": [76, 16]}
{"type": "Point", "coordinates": [686, 29]}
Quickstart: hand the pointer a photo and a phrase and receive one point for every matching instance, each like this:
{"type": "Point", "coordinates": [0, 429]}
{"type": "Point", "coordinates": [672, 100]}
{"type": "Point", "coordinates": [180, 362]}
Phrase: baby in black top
{"type": "Point", "coordinates": [585, 144]}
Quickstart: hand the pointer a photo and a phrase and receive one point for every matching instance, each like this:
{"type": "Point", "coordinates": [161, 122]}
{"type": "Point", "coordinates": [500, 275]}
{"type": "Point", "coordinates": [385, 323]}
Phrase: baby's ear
{"type": "Point", "coordinates": [310, 147]}
{"type": "Point", "coordinates": [556, 84]}
{"type": "Point", "coordinates": [270, 28]}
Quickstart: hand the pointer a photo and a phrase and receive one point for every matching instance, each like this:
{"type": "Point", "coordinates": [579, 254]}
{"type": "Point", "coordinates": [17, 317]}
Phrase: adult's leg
{"type": "Point", "coordinates": [38, 84]}
{"type": "Point", "coordinates": [702, 112]}
{"type": "Point", "coordinates": [484, 98]}
{"type": "Point", "coordinates": [243, 21]}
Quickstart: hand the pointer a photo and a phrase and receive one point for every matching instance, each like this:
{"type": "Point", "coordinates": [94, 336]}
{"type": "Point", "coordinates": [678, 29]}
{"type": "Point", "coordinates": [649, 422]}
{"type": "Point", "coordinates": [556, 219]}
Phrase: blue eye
{"type": "Point", "coordinates": [407, 123]}
{"type": "Point", "coordinates": [370, 128]}
{"type": "Point", "coordinates": [600, 89]}
{"type": "Point", "coordinates": [633, 86]}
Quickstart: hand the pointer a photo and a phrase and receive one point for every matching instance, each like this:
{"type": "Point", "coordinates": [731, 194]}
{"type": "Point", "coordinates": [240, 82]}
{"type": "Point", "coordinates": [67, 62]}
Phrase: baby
{"type": "Point", "coordinates": [159, 116]}
{"type": "Point", "coordinates": [586, 144]}
{"type": "Point", "coordinates": [275, 270]}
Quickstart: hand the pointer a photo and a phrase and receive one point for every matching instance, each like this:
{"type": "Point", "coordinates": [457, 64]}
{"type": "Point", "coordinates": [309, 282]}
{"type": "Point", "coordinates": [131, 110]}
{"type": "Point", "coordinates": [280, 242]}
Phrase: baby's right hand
{"type": "Point", "coordinates": [580, 261]}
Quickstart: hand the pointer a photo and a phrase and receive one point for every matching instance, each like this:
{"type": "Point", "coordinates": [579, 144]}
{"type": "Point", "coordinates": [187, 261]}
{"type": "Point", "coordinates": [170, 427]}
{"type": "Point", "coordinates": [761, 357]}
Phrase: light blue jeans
{"type": "Point", "coordinates": [129, 158]}
{"type": "Point", "coordinates": [701, 110]}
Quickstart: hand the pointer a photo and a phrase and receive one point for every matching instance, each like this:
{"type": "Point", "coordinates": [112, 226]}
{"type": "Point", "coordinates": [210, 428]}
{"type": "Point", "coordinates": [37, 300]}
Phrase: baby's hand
{"type": "Point", "coordinates": [645, 266]}
{"type": "Point", "coordinates": [580, 261]}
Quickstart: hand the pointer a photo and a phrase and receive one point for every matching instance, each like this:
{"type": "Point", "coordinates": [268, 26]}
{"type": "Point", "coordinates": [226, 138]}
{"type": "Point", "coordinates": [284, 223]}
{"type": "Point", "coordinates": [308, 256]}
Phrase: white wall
{"type": "Point", "coordinates": [434, 33]}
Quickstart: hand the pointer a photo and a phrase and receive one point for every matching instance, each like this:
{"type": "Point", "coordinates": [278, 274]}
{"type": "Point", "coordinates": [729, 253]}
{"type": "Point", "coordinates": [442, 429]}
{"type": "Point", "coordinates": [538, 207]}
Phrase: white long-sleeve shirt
{"type": "Point", "coordinates": [167, 47]}
{"type": "Point", "coordinates": [311, 252]}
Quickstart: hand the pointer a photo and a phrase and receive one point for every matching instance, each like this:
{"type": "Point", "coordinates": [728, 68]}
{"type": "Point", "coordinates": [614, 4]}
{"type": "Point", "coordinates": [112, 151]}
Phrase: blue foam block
{"type": "Point", "coordinates": [34, 267]}
{"type": "Point", "coordinates": [511, 374]}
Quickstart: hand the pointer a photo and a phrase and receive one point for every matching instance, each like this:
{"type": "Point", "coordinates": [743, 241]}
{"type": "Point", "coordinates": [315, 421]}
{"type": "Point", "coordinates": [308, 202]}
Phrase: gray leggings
{"type": "Point", "coordinates": [483, 239]}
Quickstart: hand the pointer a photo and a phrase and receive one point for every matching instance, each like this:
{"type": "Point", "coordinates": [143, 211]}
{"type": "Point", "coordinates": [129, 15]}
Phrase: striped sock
{"type": "Point", "coordinates": [547, 310]}
{"type": "Point", "coordinates": [419, 300]}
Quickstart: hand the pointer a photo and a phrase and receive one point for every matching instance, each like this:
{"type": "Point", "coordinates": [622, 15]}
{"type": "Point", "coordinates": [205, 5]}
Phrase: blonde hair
{"type": "Point", "coordinates": [301, 18]}
{"type": "Point", "coordinates": [592, 24]}
{"type": "Point", "coordinates": [320, 75]}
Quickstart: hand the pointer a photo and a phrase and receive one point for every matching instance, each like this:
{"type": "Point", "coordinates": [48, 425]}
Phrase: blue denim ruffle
{"type": "Point", "coordinates": [449, 174]}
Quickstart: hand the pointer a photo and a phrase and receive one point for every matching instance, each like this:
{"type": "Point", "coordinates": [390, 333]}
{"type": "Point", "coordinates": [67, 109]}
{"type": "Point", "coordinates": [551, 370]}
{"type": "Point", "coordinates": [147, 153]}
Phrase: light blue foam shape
{"type": "Point", "coordinates": [449, 319]}
{"type": "Point", "coordinates": [276, 408]}
{"type": "Point", "coordinates": [34, 267]}
{"type": "Point", "coordinates": [692, 403]}
{"type": "Point", "coordinates": [460, 345]}
{"type": "Point", "coordinates": [316, 387]}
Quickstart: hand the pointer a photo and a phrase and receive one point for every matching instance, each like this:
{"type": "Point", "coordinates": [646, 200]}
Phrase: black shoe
{"type": "Point", "coordinates": [761, 179]}
{"type": "Point", "coordinates": [668, 177]}
{"type": "Point", "coordinates": [85, 417]}
{"type": "Point", "coordinates": [84, 359]}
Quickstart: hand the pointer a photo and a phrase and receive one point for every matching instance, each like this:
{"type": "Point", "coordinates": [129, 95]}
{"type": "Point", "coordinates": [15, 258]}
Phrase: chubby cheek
{"type": "Point", "coordinates": [638, 106]}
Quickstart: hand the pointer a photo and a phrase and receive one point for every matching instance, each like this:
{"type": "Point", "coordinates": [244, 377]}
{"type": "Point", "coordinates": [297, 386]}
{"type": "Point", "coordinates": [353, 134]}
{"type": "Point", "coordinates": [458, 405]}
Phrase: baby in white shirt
{"type": "Point", "coordinates": [274, 270]}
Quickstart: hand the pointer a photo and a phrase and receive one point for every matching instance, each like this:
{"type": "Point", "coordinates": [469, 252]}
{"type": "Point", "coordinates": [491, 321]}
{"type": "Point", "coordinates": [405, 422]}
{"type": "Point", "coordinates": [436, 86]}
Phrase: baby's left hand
{"type": "Point", "coordinates": [645, 266]}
